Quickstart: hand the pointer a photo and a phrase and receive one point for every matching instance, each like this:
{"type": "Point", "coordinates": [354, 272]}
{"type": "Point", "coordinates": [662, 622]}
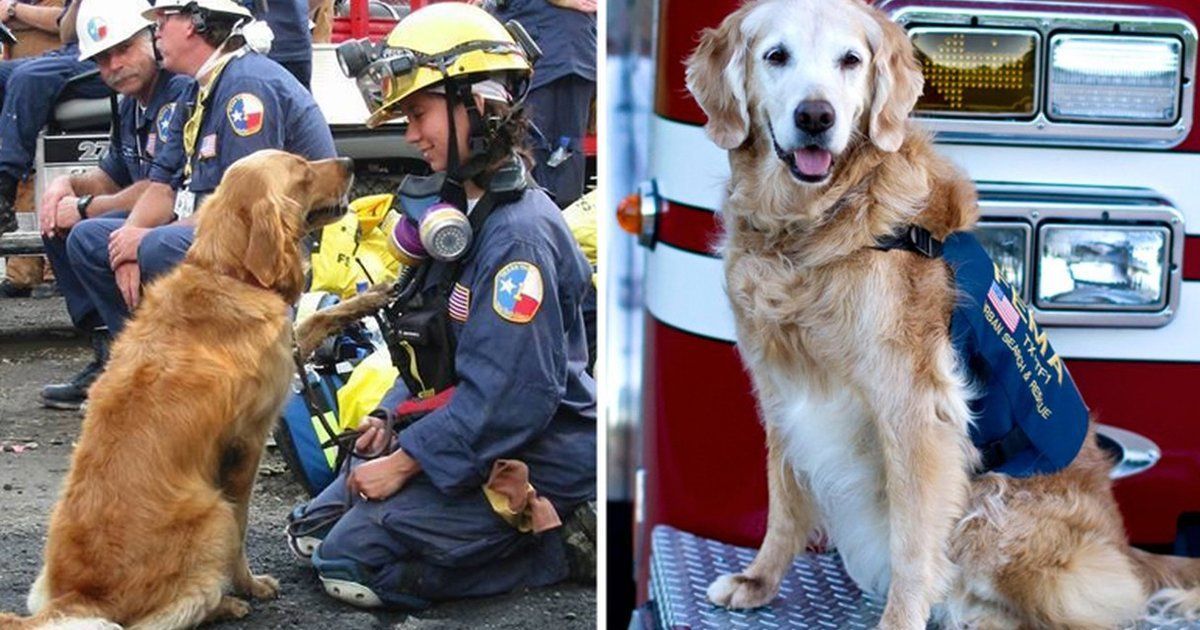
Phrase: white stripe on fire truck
{"type": "Point", "coordinates": [686, 290]}
{"type": "Point", "coordinates": [692, 170]}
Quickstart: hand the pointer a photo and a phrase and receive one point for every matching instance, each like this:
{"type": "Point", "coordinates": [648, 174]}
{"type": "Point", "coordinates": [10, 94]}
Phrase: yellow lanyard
{"type": "Point", "coordinates": [191, 129]}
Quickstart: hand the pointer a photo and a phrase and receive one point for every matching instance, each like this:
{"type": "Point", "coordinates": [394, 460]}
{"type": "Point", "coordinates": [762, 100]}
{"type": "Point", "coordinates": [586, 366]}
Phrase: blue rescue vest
{"type": "Point", "coordinates": [1030, 418]}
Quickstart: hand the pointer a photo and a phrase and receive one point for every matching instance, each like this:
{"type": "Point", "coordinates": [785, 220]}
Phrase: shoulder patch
{"type": "Point", "coordinates": [517, 293]}
{"type": "Point", "coordinates": [163, 124]}
{"type": "Point", "coordinates": [245, 114]}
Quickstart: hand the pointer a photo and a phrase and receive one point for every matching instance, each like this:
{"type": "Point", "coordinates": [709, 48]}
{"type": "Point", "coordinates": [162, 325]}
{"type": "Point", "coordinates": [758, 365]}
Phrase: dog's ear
{"type": "Point", "coordinates": [267, 241]}
{"type": "Point", "coordinates": [898, 81]}
{"type": "Point", "coordinates": [716, 77]}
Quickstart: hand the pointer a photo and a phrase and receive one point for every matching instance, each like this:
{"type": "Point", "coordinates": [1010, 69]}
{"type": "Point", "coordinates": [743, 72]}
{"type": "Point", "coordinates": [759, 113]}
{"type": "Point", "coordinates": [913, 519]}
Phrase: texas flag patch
{"type": "Point", "coordinates": [163, 124]}
{"type": "Point", "coordinates": [517, 294]}
{"type": "Point", "coordinates": [97, 29]}
{"type": "Point", "coordinates": [245, 113]}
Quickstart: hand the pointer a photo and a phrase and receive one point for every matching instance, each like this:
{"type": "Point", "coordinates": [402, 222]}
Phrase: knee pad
{"type": "Point", "coordinates": [347, 581]}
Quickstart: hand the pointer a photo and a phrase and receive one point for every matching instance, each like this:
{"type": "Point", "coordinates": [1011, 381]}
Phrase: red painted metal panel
{"type": "Point", "coordinates": [360, 18]}
{"type": "Point", "coordinates": [1159, 401]}
{"type": "Point", "coordinates": [1191, 258]}
{"type": "Point", "coordinates": [681, 21]}
{"type": "Point", "coordinates": [705, 456]}
{"type": "Point", "coordinates": [686, 227]}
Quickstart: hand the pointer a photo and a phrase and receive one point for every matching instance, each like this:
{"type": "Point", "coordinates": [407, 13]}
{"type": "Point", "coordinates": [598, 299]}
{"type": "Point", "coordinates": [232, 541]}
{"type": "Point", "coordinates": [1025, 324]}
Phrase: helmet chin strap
{"type": "Point", "coordinates": [459, 170]}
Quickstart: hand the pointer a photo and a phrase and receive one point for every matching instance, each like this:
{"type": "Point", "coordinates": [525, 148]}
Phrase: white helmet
{"type": "Point", "coordinates": [223, 7]}
{"type": "Point", "coordinates": [104, 24]}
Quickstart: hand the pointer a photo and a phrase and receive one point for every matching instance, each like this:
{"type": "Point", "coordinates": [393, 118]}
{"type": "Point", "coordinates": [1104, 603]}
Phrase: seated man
{"type": "Point", "coordinates": [124, 51]}
{"type": "Point", "coordinates": [243, 102]}
{"type": "Point", "coordinates": [29, 88]}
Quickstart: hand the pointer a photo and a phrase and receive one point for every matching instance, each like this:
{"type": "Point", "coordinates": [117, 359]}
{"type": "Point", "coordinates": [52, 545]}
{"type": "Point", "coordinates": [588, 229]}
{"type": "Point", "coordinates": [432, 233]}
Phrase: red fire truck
{"type": "Point", "coordinates": [1075, 120]}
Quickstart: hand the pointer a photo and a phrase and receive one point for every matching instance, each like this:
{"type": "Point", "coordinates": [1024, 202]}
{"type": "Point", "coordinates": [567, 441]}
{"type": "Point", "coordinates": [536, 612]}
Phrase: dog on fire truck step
{"type": "Point", "coordinates": [913, 409]}
{"type": "Point", "coordinates": [149, 530]}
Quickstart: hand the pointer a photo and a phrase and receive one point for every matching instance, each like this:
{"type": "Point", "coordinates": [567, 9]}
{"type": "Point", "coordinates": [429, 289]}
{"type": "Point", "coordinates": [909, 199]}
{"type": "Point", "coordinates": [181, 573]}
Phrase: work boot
{"type": "Point", "coordinates": [8, 196]}
{"type": "Point", "coordinates": [579, 535]}
{"type": "Point", "coordinates": [9, 289]}
{"type": "Point", "coordinates": [73, 393]}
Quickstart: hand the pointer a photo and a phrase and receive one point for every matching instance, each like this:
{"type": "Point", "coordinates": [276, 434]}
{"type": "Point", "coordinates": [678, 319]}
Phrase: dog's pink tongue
{"type": "Point", "coordinates": [813, 162]}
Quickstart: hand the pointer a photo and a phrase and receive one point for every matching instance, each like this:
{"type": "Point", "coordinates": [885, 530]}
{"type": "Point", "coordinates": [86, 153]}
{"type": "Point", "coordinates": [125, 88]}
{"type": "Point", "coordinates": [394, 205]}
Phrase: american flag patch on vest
{"type": "Point", "coordinates": [459, 303]}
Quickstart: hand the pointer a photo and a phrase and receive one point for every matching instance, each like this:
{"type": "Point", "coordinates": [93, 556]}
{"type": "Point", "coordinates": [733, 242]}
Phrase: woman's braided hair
{"type": "Point", "coordinates": [508, 132]}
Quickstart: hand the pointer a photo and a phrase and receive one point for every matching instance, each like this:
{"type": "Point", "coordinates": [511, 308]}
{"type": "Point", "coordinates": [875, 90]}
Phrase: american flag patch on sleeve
{"type": "Point", "coordinates": [1004, 308]}
{"type": "Point", "coordinates": [460, 303]}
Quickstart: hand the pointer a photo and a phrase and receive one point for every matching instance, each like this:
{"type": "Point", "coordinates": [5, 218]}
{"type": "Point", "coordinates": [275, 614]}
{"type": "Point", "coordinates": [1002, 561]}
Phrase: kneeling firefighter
{"type": "Point", "coordinates": [471, 498]}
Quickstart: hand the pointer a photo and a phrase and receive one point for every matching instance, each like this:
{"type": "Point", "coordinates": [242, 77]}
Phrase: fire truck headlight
{"type": "Point", "coordinates": [1008, 245]}
{"type": "Point", "coordinates": [1085, 267]}
{"type": "Point", "coordinates": [1105, 78]}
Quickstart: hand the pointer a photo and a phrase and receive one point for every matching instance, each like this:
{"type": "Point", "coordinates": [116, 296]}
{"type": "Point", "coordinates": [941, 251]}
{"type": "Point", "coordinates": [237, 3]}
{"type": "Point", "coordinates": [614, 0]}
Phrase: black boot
{"type": "Point", "coordinates": [579, 534]}
{"type": "Point", "coordinates": [8, 196]}
{"type": "Point", "coordinates": [72, 394]}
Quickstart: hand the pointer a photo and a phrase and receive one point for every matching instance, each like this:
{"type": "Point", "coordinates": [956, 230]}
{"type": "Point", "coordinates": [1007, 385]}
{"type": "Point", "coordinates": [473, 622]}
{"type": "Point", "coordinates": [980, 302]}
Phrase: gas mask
{"type": "Point", "coordinates": [430, 225]}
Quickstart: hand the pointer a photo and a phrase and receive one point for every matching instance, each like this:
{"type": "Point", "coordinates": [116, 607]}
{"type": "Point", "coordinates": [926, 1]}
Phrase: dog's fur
{"type": "Point", "coordinates": [149, 530]}
{"type": "Point", "coordinates": [863, 398]}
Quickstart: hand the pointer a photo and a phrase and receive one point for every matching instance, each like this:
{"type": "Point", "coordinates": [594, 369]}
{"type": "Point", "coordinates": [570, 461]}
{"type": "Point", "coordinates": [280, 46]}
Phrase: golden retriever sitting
{"type": "Point", "coordinates": [149, 531]}
{"type": "Point", "coordinates": [863, 397]}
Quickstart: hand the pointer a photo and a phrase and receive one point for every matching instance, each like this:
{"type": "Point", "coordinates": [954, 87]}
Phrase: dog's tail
{"type": "Point", "coordinates": [1174, 582]}
{"type": "Point", "coordinates": [65, 613]}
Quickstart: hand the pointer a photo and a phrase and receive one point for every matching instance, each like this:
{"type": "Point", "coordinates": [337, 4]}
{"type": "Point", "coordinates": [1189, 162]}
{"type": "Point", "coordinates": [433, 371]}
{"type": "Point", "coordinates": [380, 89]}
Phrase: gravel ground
{"type": "Point", "coordinates": [29, 483]}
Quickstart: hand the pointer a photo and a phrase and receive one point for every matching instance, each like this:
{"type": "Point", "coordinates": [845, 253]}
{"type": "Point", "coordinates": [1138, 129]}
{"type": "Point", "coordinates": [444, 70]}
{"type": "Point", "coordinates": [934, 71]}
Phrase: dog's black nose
{"type": "Point", "coordinates": [814, 116]}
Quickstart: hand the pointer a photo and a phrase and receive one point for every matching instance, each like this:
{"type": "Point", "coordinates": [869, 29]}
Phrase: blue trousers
{"type": "Point", "coordinates": [87, 250]}
{"type": "Point", "coordinates": [82, 310]}
{"type": "Point", "coordinates": [29, 88]}
{"type": "Point", "coordinates": [560, 110]}
{"type": "Point", "coordinates": [421, 545]}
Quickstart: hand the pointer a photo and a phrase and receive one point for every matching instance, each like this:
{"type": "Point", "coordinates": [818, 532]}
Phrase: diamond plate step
{"type": "Point", "coordinates": [816, 593]}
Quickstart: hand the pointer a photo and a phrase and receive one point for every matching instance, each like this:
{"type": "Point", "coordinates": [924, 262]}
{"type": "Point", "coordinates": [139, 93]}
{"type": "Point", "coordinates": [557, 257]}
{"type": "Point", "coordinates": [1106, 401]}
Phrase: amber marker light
{"type": "Point", "coordinates": [978, 72]}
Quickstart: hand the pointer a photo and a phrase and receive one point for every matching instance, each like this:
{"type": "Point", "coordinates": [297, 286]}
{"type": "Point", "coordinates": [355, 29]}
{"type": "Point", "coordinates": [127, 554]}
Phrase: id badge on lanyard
{"type": "Point", "coordinates": [185, 203]}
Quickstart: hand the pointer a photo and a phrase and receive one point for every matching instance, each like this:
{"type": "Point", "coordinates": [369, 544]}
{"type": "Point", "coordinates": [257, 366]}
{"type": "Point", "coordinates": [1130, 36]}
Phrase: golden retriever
{"type": "Point", "coordinates": [149, 531]}
{"type": "Point", "coordinates": [863, 399]}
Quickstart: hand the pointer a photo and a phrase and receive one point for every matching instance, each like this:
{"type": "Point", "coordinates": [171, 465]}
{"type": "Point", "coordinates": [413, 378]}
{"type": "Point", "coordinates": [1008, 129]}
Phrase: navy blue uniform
{"type": "Point", "coordinates": [292, 46]}
{"type": "Point", "coordinates": [1030, 418]}
{"type": "Point", "coordinates": [142, 136]}
{"type": "Point", "coordinates": [564, 82]}
{"type": "Point", "coordinates": [137, 140]}
{"type": "Point", "coordinates": [29, 89]}
{"type": "Point", "coordinates": [522, 393]}
{"type": "Point", "coordinates": [255, 104]}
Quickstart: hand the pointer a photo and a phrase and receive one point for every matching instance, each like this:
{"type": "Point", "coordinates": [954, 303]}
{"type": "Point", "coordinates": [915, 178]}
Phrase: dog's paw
{"type": "Point", "coordinates": [895, 619]}
{"type": "Point", "coordinates": [263, 587]}
{"type": "Point", "coordinates": [229, 608]}
{"type": "Point", "coordinates": [740, 591]}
